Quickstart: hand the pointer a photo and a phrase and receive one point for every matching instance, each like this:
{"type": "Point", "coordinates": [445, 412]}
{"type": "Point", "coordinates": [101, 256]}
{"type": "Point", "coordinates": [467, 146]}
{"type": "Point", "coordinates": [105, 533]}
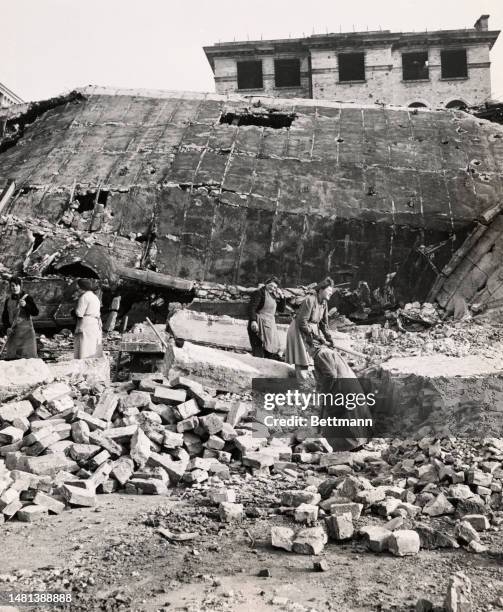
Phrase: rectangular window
{"type": "Point", "coordinates": [287, 72]}
{"type": "Point", "coordinates": [250, 75]}
{"type": "Point", "coordinates": [454, 63]}
{"type": "Point", "coordinates": [351, 67]}
{"type": "Point", "coordinates": [415, 66]}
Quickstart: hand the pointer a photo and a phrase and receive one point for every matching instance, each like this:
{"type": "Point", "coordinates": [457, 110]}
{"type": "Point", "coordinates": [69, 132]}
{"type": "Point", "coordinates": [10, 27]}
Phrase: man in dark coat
{"type": "Point", "coordinates": [18, 310]}
{"type": "Point", "coordinates": [262, 329]}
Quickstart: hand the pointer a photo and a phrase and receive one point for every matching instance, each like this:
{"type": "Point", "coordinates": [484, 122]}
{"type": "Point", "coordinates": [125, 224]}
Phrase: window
{"type": "Point", "coordinates": [415, 66]}
{"type": "Point", "coordinates": [351, 67]}
{"type": "Point", "coordinates": [457, 104]}
{"type": "Point", "coordinates": [287, 72]}
{"type": "Point", "coordinates": [417, 105]}
{"type": "Point", "coordinates": [250, 75]}
{"type": "Point", "coordinates": [454, 64]}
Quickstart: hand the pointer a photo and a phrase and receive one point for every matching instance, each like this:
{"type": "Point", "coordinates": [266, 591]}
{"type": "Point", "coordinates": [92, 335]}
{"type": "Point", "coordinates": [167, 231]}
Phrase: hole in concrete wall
{"type": "Point", "coordinates": [76, 269]}
{"type": "Point", "coordinates": [456, 104]}
{"type": "Point", "coordinates": [39, 238]}
{"type": "Point", "coordinates": [415, 66]}
{"type": "Point", "coordinates": [454, 64]}
{"type": "Point", "coordinates": [250, 74]}
{"type": "Point", "coordinates": [103, 197]}
{"type": "Point", "coordinates": [273, 120]}
{"type": "Point", "coordinates": [351, 66]}
{"type": "Point", "coordinates": [287, 72]}
{"type": "Point", "coordinates": [417, 105]}
{"type": "Point", "coordinates": [86, 201]}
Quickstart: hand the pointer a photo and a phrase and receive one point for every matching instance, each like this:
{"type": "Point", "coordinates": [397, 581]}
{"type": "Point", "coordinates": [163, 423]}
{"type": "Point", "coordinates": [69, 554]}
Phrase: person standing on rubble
{"type": "Point", "coordinates": [18, 310]}
{"type": "Point", "coordinates": [262, 329]}
{"type": "Point", "coordinates": [88, 335]}
{"type": "Point", "coordinates": [309, 329]}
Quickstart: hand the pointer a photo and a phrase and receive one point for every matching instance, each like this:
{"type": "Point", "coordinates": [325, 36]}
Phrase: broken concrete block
{"type": "Point", "coordinates": [439, 506]}
{"type": "Point", "coordinates": [80, 432]}
{"type": "Point", "coordinates": [135, 399]}
{"type": "Point", "coordinates": [106, 405]}
{"type": "Point", "coordinates": [30, 514]}
{"type": "Point", "coordinates": [10, 434]}
{"type": "Point", "coordinates": [11, 509]}
{"type": "Point", "coordinates": [140, 448]}
{"type": "Point", "coordinates": [352, 485]}
{"type": "Point", "coordinates": [306, 513]}
{"type": "Point", "coordinates": [282, 537]}
{"type": "Point", "coordinates": [123, 469]}
{"type": "Point", "coordinates": [230, 512]}
{"type": "Point", "coordinates": [166, 395]}
{"type": "Point", "coordinates": [296, 498]}
{"type": "Point", "coordinates": [211, 424]}
{"type": "Point", "coordinates": [186, 410]}
{"type": "Point", "coordinates": [466, 533]}
{"type": "Point", "coordinates": [47, 501]}
{"type": "Point", "coordinates": [352, 507]}
{"type": "Point", "coordinates": [76, 496]}
{"type": "Point", "coordinates": [175, 469]}
{"type": "Point", "coordinates": [83, 452]}
{"type": "Point", "coordinates": [257, 459]}
{"type": "Point", "coordinates": [237, 413]}
{"type": "Point", "coordinates": [99, 438]}
{"type": "Point", "coordinates": [8, 412]}
{"type": "Point", "coordinates": [310, 541]}
{"type": "Point", "coordinates": [47, 464]}
{"type": "Point", "coordinates": [479, 478]}
{"type": "Point", "coordinates": [60, 404]}
{"type": "Point", "coordinates": [21, 375]}
{"type": "Point", "coordinates": [431, 538]}
{"type": "Point", "coordinates": [388, 506]}
{"type": "Point", "coordinates": [248, 443]}
{"type": "Point", "coordinates": [340, 527]}
{"type": "Point", "coordinates": [222, 495]}
{"type": "Point", "coordinates": [459, 594]}
{"type": "Point", "coordinates": [151, 486]}
{"type": "Point", "coordinates": [48, 393]}
{"type": "Point", "coordinates": [459, 491]}
{"type": "Point", "coordinates": [404, 542]}
{"type": "Point", "coordinates": [195, 476]}
{"type": "Point", "coordinates": [376, 538]}
{"type": "Point", "coordinates": [478, 521]}
{"type": "Point", "coordinates": [187, 424]}
{"type": "Point", "coordinates": [92, 422]}
{"type": "Point", "coordinates": [173, 440]}
{"type": "Point", "coordinates": [214, 443]}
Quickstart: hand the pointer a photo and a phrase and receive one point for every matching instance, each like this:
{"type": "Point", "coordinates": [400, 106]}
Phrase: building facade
{"type": "Point", "coordinates": [7, 97]}
{"type": "Point", "coordinates": [446, 68]}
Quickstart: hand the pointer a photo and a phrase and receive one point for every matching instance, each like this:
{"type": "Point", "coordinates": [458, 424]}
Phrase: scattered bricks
{"type": "Point", "coordinates": [477, 547]}
{"type": "Point", "coordinates": [52, 504]}
{"type": "Point", "coordinates": [30, 514]}
{"type": "Point", "coordinates": [353, 508]}
{"type": "Point", "coordinates": [8, 412]}
{"type": "Point", "coordinates": [340, 527]}
{"type": "Point", "coordinates": [388, 506]}
{"type": "Point", "coordinates": [21, 423]}
{"type": "Point", "coordinates": [101, 474]}
{"type": "Point", "coordinates": [257, 459]}
{"type": "Point", "coordinates": [211, 424]}
{"type": "Point", "coordinates": [466, 533]}
{"type": "Point", "coordinates": [175, 469]}
{"type": "Point", "coordinates": [76, 496]}
{"type": "Point", "coordinates": [152, 486]}
{"type": "Point", "coordinates": [10, 434]}
{"type": "Point", "coordinates": [106, 405]}
{"type": "Point", "coordinates": [376, 538]}
{"type": "Point", "coordinates": [320, 566]}
{"type": "Point", "coordinates": [61, 404]}
{"type": "Point", "coordinates": [47, 464]}
{"type": "Point", "coordinates": [98, 459]}
{"type": "Point", "coordinates": [140, 447]}
{"type": "Point", "coordinates": [224, 457]}
{"type": "Point", "coordinates": [230, 512]}
{"type": "Point", "coordinates": [296, 498]}
{"type": "Point", "coordinates": [121, 434]}
{"type": "Point", "coordinates": [10, 448]}
{"type": "Point", "coordinates": [220, 470]}
{"type": "Point", "coordinates": [370, 497]}
{"type": "Point", "coordinates": [329, 459]}
{"type": "Point", "coordinates": [97, 437]}
{"type": "Point", "coordinates": [136, 399]}
{"type": "Point", "coordinates": [50, 392]}
{"type": "Point", "coordinates": [172, 440]}
{"type": "Point", "coordinates": [352, 485]}
{"type": "Point", "coordinates": [8, 496]}
{"type": "Point", "coordinates": [404, 542]}
{"type": "Point", "coordinates": [237, 413]}
{"type": "Point", "coordinates": [165, 395]}
{"type": "Point", "coordinates": [479, 478]}
{"type": "Point", "coordinates": [218, 496]}
{"type": "Point", "coordinates": [196, 476]}
{"type": "Point", "coordinates": [196, 390]}
{"type": "Point", "coordinates": [214, 443]}
{"type": "Point", "coordinates": [478, 521]}
{"type": "Point", "coordinates": [123, 469]}
{"type": "Point", "coordinates": [192, 443]}
{"type": "Point", "coordinates": [109, 486]}
{"type": "Point", "coordinates": [282, 537]}
{"type": "Point", "coordinates": [427, 473]}
{"type": "Point", "coordinates": [11, 509]}
{"type": "Point", "coordinates": [201, 463]}
{"type": "Point", "coordinates": [336, 498]}
{"type": "Point", "coordinates": [228, 432]}
{"type": "Point", "coordinates": [83, 452]}
{"type": "Point", "coordinates": [187, 425]}
{"type": "Point", "coordinates": [459, 491]}
{"type": "Point", "coordinates": [459, 594]}
{"type": "Point", "coordinates": [394, 523]}
{"type": "Point", "coordinates": [410, 510]}
{"type": "Point", "coordinates": [248, 443]}
{"type": "Point", "coordinates": [439, 506]}
{"type": "Point", "coordinates": [340, 470]}
{"type": "Point", "coordinates": [80, 432]}
{"type": "Point", "coordinates": [91, 421]}
{"type": "Point", "coordinates": [310, 541]}
{"type": "Point", "coordinates": [306, 513]}
{"type": "Point", "coordinates": [187, 410]}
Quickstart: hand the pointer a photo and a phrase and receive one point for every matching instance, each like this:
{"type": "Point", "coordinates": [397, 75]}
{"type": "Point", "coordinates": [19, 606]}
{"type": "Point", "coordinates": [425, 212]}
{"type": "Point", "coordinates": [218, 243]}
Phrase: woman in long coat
{"type": "Point", "coordinates": [309, 329]}
{"type": "Point", "coordinates": [18, 310]}
{"type": "Point", "coordinates": [88, 334]}
{"type": "Point", "coordinates": [262, 329]}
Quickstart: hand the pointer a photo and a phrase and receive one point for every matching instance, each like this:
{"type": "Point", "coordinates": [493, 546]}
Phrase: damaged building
{"type": "Point", "coordinates": [182, 195]}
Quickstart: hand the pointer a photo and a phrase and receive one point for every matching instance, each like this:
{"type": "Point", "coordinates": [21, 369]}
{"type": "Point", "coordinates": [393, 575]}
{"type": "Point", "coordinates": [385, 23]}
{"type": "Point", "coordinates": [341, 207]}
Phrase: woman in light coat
{"type": "Point", "coordinates": [88, 335]}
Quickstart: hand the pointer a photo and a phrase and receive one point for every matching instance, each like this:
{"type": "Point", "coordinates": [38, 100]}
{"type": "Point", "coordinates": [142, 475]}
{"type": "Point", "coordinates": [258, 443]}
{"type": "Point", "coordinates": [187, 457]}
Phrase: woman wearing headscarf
{"type": "Point", "coordinates": [88, 336]}
{"type": "Point", "coordinates": [309, 330]}
{"type": "Point", "coordinates": [18, 310]}
{"type": "Point", "coordinates": [262, 329]}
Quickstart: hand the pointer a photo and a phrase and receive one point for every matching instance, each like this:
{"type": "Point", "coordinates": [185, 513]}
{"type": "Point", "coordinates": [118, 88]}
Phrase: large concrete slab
{"type": "Point", "coordinates": [221, 369]}
{"type": "Point", "coordinates": [21, 375]}
{"type": "Point", "coordinates": [96, 370]}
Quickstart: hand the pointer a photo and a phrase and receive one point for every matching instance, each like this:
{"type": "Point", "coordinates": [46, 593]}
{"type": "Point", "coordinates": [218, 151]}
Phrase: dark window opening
{"type": "Point", "coordinates": [77, 270]}
{"type": "Point", "coordinates": [417, 105]}
{"type": "Point", "coordinates": [271, 119]}
{"type": "Point", "coordinates": [86, 201]}
{"type": "Point", "coordinates": [457, 104]}
{"type": "Point", "coordinates": [415, 66]}
{"type": "Point", "coordinates": [103, 197]}
{"type": "Point", "coordinates": [351, 66]}
{"type": "Point", "coordinates": [454, 64]}
{"type": "Point", "coordinates": [287, 72]}
{"type": "Point", "coordinates": [250, 75]}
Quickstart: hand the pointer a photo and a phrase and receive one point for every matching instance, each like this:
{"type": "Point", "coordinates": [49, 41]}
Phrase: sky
{"type": "Point", "coordinates": [49, 47]}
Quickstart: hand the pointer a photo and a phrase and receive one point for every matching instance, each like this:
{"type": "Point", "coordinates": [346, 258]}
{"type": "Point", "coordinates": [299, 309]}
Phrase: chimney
{"type": "Point", "coordinates": [482, 23]}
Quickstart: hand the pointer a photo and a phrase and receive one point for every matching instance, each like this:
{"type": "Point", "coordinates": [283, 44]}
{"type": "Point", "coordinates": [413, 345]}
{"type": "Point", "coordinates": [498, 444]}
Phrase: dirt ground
{"type": "Point", "coordinates": [112, 558]}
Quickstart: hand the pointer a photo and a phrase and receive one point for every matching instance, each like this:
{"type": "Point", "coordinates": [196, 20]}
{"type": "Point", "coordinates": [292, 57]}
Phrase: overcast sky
{"type": "Point", "coordinates": [52, 46]}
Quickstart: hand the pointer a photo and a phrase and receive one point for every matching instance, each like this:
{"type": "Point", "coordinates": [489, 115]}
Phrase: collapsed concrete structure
{"type": "Point", "coordinates": [184, 195]}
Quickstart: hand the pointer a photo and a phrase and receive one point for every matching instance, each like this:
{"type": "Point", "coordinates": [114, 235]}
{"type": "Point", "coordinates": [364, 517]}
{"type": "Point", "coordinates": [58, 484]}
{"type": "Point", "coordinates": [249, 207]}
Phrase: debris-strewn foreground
{"type": "Point", "coordinates": [153, 493]}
